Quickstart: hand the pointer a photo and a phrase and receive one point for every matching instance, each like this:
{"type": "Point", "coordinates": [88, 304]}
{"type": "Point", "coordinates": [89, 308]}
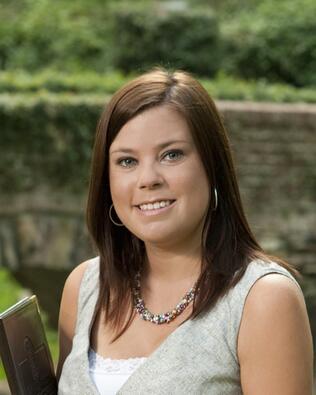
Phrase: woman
{"type": "Point", "coordinates": [165, 213]}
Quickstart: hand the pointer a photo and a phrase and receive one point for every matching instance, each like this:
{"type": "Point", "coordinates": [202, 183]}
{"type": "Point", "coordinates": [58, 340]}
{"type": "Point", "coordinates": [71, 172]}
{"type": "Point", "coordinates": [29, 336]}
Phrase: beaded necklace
{"type": "Point", "coordinates": [163, 318]}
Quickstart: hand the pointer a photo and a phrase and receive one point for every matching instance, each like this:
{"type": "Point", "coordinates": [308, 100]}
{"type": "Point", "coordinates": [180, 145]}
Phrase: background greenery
{"type": "Point", "coordinates": [265, 40]}
{"type": "Point", "coordinates": [89, 83]}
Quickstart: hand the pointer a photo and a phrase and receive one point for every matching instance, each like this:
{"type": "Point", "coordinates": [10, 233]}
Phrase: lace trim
{"type": "Point", "coordinates": [113, 366]}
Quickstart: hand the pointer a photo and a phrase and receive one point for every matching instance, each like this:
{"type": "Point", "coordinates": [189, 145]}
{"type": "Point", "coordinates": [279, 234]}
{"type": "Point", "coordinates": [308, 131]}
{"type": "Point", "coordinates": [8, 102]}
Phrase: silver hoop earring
{"type": "Point", "coordinates": [216, 199]}
{"type": "Point", "coordinates": [112, 220]}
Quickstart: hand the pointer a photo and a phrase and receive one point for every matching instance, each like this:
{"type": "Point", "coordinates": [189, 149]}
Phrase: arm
{"type": "Point", "coordinates": [275, 347]}
{"type": "Point", "coordinates": [68, 313]}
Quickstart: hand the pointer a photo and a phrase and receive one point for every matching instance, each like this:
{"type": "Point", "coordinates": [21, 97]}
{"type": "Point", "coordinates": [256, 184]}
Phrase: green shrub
{"type": "Point", "coordinates": [38, 34]}
{"type": "Point", "coordinates": [47, 137]}
{"type": "Point", "coordinates": [185, 40]}
{"type": "Point", "coordinates": [11, 292]}
{"type": "Point", "coordinates": [270, 40]}
{"type": "Point", "coordinates": [53, 81]}
{"type": "Point", "coordinates": [275, 41]}
{"type": "Point", "coordinates": [231, 88]}
{"type": "Point", "coordinates": [83, 86]}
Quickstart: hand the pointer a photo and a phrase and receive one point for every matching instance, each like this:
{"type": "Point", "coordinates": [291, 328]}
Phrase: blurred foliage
{"type": "Point", "coordinates": [11, 291]}
{"type": "Point", "coordinates": [184, 39]}
{"type": "Point", "coordinates": [225, 8]}
{"type": "Point", "coordinates": [46, 136]}
{"type": "Point", "coordinates": [49, 135]}
{"type": "Point", "coordinates": [224, 87]}
{"type": "Point", "coordinates": [35, 34]}
{"type": "Point", "coordinates": [55, 81]}
{"type": "Point", "coordinates": [89, 87]}
{"type": "Point", "coordinates": [275, 41]}
{"type": "Point", "coordinates": [40, 33]}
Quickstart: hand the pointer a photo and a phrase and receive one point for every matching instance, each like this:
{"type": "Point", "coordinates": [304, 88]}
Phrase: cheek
{"type": "Point", "coordinates": [196, 180]}
{"type": "Point", "coordinates": [114, 188]}
{"type": "Point", "coordinates": [113, 185]}
{"type": "Point", "coordinates": [198, 184]}
{"type": "Point", "coordinates": [201, 195]}
{"type": "Point", "coordinates": [120, 187]}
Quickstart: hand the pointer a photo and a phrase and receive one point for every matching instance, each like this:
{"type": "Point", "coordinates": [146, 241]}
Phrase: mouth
{"type": "Point", "coordinates": [155, 207]}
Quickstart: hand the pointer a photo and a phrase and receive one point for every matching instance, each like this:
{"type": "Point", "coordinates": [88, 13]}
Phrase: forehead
{"type": "Point", "coordinates": [151, 127]}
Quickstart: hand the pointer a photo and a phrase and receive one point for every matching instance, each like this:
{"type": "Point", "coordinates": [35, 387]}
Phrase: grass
{"type": "Point", "coordinates": [11, 292]}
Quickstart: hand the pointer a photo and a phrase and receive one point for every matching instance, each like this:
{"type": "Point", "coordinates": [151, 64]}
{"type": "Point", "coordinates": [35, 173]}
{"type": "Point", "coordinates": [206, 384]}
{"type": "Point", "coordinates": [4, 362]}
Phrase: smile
{"type": "Point", "coordinates": [155, 207]}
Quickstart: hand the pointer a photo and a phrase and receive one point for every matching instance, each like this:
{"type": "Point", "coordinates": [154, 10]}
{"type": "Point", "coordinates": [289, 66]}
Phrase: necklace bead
{"type": "Point", "coordinates": [163, 318]}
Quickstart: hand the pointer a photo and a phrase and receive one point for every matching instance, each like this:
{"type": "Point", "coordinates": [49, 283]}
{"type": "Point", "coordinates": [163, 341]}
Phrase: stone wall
{"type": "Point", "coordinates": [275, 154]}
{"type": "Point", "coordinates": [274, 147]}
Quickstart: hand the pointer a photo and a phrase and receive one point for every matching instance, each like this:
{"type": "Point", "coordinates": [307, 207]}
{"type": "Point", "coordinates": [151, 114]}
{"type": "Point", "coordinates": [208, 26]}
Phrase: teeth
{"type": "Point", "coordinates": [155, 205]}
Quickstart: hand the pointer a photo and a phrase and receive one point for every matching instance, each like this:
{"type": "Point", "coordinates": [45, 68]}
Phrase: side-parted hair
{"type": "Point", "coordinates": [228, 244]}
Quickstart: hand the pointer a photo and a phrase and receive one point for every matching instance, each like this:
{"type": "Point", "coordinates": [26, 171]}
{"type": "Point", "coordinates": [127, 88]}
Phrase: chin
{"type": "Point", "coordinates": [157, 236]}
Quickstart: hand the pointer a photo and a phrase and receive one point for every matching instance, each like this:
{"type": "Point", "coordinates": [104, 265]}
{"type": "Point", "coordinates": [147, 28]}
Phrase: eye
{"type": "Point", "coordinates": [126, 162]}
{"type": "Point", "coordinates": [173, 155]}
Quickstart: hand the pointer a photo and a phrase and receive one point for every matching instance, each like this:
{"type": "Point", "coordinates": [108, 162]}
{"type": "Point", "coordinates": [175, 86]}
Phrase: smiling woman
{"type": "Point", "coordinates": [181, 298]}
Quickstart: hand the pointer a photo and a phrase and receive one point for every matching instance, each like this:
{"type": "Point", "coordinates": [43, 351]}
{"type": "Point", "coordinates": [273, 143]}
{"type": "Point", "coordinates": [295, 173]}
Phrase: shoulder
{"type": "Point", "coordinates": [73, 281]}
{"type": "Point", "coordinates": [70, 296]}
{"type": "Point", "coordinates": [274, 293]}
{"type": "Point", "coordinates": [69, 308]}
{"type": "Point", "coordinates": [274, 337]}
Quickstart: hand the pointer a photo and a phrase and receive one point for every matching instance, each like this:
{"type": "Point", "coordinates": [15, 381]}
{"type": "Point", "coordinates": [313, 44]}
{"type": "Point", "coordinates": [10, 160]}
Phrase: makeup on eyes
{"type": "Point", "coordinates": [128, 161]}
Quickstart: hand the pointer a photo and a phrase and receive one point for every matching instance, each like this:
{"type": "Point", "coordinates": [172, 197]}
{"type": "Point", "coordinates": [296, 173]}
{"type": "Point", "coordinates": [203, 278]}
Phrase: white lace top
{"type": "Point", "coordinates": [109, 375]}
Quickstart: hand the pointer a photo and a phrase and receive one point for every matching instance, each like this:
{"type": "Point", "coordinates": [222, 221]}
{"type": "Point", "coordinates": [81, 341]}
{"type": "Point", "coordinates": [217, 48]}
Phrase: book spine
{"type": "Point", "coordinates": [8, 363]}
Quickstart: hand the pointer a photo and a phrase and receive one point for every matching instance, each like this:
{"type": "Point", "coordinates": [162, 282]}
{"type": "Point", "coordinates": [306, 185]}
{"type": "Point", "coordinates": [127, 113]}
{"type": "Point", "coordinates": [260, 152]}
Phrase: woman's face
{"type": "Point", "coordinates": [158, 184]}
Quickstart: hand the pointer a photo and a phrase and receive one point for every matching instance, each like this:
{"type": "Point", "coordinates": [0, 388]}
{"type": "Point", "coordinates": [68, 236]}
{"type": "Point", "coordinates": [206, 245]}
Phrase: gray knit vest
{"type": "Point", "coordinates": [199, 357]}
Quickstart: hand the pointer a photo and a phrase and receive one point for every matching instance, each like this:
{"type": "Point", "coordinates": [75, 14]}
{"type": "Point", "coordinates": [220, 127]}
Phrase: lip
{"type": "Point", "coordinates": [155, 211]}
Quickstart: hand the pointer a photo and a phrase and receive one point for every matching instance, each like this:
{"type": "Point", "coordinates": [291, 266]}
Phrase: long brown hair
{"type": "Point", "coordinates": [228, 244]}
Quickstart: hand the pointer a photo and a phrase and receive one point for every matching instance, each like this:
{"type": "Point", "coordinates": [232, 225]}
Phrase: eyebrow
{"type": "Point", "coordinates": [160, 146]}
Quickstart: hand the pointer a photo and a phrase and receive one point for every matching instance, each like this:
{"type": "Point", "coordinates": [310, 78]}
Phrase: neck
{"type": "Point", "coordinates": [175, 265]}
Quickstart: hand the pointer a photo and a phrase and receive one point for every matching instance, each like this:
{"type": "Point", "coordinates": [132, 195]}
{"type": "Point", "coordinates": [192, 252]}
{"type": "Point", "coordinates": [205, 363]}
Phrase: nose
{"type": "Point", "coordinates": [149, 176]}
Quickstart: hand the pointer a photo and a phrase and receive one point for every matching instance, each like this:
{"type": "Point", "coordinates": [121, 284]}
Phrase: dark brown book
{"type": "Point", "coordinates": [24, 350]}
